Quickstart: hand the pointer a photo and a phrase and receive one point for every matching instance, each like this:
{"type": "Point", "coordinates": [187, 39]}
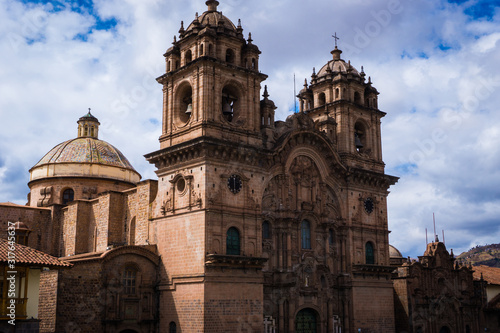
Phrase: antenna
{"type": "Point", "coordinates": [435, 235]}
{"type": "Point", "coordinates": [294, 95]}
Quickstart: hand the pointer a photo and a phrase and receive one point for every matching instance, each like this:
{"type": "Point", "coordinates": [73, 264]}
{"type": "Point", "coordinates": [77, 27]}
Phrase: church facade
{"type": "Point", "coordinates": [253, 225]}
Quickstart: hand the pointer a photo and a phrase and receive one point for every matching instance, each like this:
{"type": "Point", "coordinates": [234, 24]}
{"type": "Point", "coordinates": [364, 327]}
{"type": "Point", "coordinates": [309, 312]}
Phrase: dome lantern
{"type": "Point", "coordinates": [88, 126]}
{"type": "Point", "coordinates": [212, 5]}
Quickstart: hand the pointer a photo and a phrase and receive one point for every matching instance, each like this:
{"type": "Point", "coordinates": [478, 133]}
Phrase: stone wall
{"type": "Point", "coordinates": [47, 305]}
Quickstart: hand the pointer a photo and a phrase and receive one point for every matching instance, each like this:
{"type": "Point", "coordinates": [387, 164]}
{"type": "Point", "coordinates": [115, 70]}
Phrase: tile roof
{"type": "Point", "coordinates": [25, 255]}
{"type": "Point", "coordinates": [490, 274]}
{"type": "Point", "coordinates": [86, 150]}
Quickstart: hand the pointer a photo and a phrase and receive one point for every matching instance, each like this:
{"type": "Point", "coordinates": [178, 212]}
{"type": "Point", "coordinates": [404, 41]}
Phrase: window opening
{"type": "Point", "coordinates": [306, 234]}
{"type": "Point", "coordinates": [233, 242]}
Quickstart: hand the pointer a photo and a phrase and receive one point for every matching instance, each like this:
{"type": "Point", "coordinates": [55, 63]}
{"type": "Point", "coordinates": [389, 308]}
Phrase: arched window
{"type": "Point", "coordinates": [337, 93]}
{"type": "Point", "coordinates": [266, 230]}
{"type": "Point", "coordinates": [230, 102]}
{"type": "Point", "coordinates": [172, 328]}
{"type": "Point", "coordinates": [229, 56]}
{"type": "Point", "coordinates": [357, 97]}
{"type": "Point", "coordinates": [330, 236]}
{"type": "Point", "coordinates": [233, 242]}
{"type": "Point", "coordinates": [188, 57]}
{"type": "Point", "coordinates": [168, 66]}
{"type": "Point", "coordinates": [68, 196]}
{"type": "Point", "coordinates": [370, 254]}
{"type": "Point", "coordinates": [321, 99]}
{"type": "Point", "coordinates": [305, 231]}
{"type": "Point", "coordinates": [201, 50]}
{"type": "Point", "coordinates": [254, 63]}
{"type": "Point", "coordinates": [129, 280]}
{"type": "Point", "coordinates": [359, 136]}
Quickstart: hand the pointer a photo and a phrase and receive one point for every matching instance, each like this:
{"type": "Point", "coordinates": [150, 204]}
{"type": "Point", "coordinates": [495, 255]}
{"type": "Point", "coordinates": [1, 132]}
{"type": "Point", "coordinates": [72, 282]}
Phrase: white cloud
{"type": "Point", "coordinates": [435, 67]}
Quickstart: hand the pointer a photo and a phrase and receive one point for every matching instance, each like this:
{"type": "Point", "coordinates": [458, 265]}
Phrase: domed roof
{"type": "Point", "coordinates": [212, 18]}
{"type": "Point", "coordinates": [337, 65]}
{"type": "Point", "coordinates": [85, 156]}
{"type": "Point", "coordinates": [86, 150]}
{"type": "Point", "coordinates": [394, 253]}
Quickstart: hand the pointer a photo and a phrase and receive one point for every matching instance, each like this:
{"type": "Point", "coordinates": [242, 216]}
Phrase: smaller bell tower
{"type": "Point", "coordinates": [212, 82]}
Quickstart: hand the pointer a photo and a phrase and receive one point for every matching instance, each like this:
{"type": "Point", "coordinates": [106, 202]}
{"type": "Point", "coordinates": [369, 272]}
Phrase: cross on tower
{"type": "Point", "coordinates": [336, 39]}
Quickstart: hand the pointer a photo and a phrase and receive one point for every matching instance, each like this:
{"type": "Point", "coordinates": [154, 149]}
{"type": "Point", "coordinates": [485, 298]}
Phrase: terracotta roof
{"type": "Point", "coordinates": [490, 274]}
{"type": "Point", "coordinates": [11, 204]}
{"type": "Point", "coordinates": [25, 255]}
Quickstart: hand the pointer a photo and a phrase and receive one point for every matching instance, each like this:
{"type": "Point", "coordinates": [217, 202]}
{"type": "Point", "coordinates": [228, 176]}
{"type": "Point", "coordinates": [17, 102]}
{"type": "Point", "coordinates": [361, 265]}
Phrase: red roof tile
{"type": "Point", "coordinates": [25, 255]}
{"type": "Point", "coordinates": [490, 274]}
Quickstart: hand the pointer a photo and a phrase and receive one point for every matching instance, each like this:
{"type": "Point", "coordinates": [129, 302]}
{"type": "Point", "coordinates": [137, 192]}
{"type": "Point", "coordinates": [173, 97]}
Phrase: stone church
{"type": "Point", "coordinates": [253, 225]}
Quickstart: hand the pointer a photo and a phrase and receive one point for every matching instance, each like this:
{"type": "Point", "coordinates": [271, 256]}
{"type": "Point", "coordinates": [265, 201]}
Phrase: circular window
{"type": "Point", "coordinates": [369, 205]}
{"type": "Point", "coordinates": [181, 185]}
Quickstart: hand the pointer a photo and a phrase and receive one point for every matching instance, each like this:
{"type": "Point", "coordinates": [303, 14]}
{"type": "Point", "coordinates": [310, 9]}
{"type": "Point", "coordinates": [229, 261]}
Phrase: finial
{"type": "Point", "coordinates": [305, 83]}
{"type": "Point", "coordinates": [369, 79]}
{"type": "Point", "coordinates": [250, 40]}
{"type": "Point", "coordinates": [314, 70]}
{"type": "Point", "coordinates": [175, 40]}
{"type": "Point", "coordinates": [266, 94]}
{"type": "Point", "coordinates": [212, 5]}
{"type": "Point", "coordinates": [196, 16]}
{"type": "Point", "coordinates": [181, 30]}
{"type": "Point", "coordinates": [362, 69]}
{"type": "Point", "coordinates": [239, 23]}
{"type": "Point", "coordinates": [336, 39]}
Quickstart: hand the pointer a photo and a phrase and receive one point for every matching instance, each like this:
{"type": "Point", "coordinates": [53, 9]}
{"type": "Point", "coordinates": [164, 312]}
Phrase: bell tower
{"type": "Point", "coordinates": [212, 82]}
{"type": "Point", "coordinates": [206, 218]}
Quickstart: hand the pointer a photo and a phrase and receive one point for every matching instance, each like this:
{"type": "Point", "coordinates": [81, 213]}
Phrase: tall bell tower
{"type": "Point", "coordinates": [212, 82]}
{"type": "Point", "coordinates": [210, 167]}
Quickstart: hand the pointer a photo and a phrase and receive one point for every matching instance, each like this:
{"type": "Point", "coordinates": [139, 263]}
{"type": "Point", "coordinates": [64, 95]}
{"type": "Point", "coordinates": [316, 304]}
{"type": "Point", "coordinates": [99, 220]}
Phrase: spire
{"type": "Point", "coordinates": [266, 94]}
{"type": "Point", "coordinates": [181, 30]}
{"type": "Point", "coordinates": [250, 40]}
{"type": "Point", "coordinates": [212, 5]}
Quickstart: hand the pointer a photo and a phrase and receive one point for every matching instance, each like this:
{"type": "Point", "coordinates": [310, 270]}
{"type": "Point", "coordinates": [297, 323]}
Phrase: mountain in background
{"type": "Point", "coordinates": [488, 255]}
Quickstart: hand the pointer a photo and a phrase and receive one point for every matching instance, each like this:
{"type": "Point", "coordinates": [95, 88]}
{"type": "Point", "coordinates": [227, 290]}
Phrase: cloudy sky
{"type": "Point", "coordinates": [435, 63]}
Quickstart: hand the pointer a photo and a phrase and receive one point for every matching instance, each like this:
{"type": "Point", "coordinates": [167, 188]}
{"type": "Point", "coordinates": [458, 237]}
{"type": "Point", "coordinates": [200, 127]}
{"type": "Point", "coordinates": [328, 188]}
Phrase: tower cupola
{"type": "Point", "coordinates": [212, 5]}
{"type": "Point", "coordinates": [88, 126]}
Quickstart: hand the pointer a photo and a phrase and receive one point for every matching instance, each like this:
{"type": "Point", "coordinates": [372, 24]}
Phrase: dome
{"type": "Point", "coordinates": [394, 253]}
{"type": "Point", "coordinates": [85, 150]}
{"type": "Point", "coordinates": [212, 18]}
{"type": "Point", "coordinates": [85, 156]}
{"type": "Point", "coordinates": [337, 65]}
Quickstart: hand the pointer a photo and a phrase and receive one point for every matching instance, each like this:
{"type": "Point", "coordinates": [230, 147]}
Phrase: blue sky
{"type": "Point", "coordinates": [434, 62]}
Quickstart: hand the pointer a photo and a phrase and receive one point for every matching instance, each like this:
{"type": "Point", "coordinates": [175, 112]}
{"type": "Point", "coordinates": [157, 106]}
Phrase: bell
{"type": "Point", "coordinates": [357, 141]}
{"type": "Point", "coordinates": [189, 109]}
{"type": "Point", "coordinates": [227, 109]}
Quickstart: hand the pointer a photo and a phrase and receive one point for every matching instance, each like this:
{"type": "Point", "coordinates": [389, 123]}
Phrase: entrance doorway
{"type": "Point", "coordinates": [444, 329]}
{"type": "Point", "coordinates": [305, 322]}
